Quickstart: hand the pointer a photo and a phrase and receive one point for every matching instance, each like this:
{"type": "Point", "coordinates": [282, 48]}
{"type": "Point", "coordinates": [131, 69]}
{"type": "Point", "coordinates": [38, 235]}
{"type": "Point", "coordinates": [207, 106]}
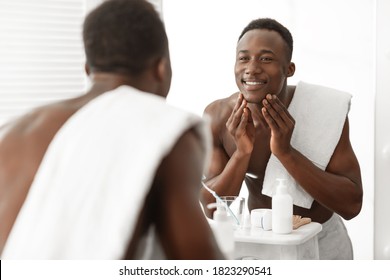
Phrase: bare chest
{"type": "Point", "coordinates": [260, 154]}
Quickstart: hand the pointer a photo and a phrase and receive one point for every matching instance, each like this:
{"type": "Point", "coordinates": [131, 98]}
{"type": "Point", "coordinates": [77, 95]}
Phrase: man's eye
{"type": "Point", "coordinates": [243, 58]}
{"type": "Point", "coordinates": [266, 59]}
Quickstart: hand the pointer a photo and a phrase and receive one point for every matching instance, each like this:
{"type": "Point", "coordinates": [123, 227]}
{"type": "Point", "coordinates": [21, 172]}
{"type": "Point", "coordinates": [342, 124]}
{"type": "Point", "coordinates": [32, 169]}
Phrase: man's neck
{"type": "Point", "coordinates": [103, 82]}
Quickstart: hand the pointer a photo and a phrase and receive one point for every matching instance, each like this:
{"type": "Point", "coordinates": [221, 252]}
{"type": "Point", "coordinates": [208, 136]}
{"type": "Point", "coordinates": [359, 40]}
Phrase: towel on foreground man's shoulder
{"type": "Point", "coordinates": [91, 185]}
{"type": "Point", "coordinates": [319, 114]}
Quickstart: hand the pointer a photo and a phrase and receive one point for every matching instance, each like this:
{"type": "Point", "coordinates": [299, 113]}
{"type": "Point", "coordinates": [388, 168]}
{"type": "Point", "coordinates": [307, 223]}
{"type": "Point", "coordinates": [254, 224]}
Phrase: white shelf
{"type": "Point", "coordinates": [260, 236]}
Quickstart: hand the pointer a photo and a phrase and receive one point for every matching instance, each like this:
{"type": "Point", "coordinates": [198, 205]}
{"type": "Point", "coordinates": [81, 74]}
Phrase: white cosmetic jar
{"type": "Point", "coordinates": [261, 218]}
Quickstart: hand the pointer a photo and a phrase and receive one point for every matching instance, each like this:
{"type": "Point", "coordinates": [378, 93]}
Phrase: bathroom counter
{"type": "Point", "coordinates": [256, 243]}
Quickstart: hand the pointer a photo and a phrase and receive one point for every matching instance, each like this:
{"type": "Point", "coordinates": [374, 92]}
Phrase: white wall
{"type": "Point", "coordinates": [382, 133]}
{"type": "Point", "coordinates": [334, 46]}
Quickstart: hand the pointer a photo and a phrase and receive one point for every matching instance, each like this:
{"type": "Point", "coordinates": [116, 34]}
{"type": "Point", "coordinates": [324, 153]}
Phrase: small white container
{"type": "Point", "coordinates": [282, 209]}
{"type": "Point", "coordinates": [261, 218]}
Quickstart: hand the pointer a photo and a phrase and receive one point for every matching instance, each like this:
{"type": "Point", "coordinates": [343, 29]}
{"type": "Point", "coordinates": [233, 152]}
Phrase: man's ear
{"type": "Point", "coordinates": [291, 69]}
{"type": "Point", "coordinates": [161, 68]}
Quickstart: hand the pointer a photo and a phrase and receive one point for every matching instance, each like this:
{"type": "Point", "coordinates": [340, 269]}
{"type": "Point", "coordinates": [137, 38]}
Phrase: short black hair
{"type": "Point", "coordinates": [273, 25]}
{"type": "Point", "coordinates": [123, 36]}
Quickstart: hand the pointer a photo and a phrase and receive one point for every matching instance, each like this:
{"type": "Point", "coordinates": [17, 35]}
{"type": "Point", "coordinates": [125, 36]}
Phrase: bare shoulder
{"type": "Point", "coordinates": [188, 152]}
{"type": "Point", "coordinates": [187, 155]}
{"type": "Point", "coordinates": [40, 122]}
{"type": "Point", "coordinates": [23, 143]}
{"type": "Point", "coordinates": [221, 107]}
{"type": "Point", "coordinates": [219, 111]}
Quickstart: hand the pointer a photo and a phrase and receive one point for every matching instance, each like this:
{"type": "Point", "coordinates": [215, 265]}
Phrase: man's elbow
{"type": "Point", "coordinates": [355, 207]}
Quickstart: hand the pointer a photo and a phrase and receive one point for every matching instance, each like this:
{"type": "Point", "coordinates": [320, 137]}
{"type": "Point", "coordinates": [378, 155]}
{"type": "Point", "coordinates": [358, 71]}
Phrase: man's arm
{"type": "Point", "coordinates": [225, 175]}
{"type": "Point", "coordinates": [181, 224]}
{"type": "Point", "coordinates": [339, 187]}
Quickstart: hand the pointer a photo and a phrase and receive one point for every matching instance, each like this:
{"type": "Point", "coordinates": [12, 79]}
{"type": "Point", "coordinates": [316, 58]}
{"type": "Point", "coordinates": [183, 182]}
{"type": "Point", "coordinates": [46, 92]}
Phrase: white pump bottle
{"type": "Point", "coordinates": [282, 209]}
{"type": "Point", "coordinates": [223, 230]}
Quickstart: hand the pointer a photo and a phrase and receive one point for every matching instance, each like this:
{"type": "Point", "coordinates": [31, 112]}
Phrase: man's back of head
{"type": "Point", "coordinates": [123, 36]}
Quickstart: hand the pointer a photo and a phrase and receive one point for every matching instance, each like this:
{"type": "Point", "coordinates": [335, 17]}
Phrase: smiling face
{"type": "Point", "coordinates": [262, 64]}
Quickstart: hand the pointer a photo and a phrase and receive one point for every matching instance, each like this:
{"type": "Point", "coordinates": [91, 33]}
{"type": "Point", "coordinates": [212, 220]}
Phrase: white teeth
{"type": "Point", "coordinates": [253, 83]}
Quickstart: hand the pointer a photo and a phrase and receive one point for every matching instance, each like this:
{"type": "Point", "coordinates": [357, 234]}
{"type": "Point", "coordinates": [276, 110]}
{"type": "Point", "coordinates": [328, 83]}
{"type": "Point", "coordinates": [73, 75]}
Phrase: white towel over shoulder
{"type": "Point", "coordinates": [319, 114]}
{"type": "Point", "coordinates": [89, 190]}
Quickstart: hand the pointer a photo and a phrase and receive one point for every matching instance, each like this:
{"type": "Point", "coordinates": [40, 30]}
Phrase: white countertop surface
{"type": "Point", "coordinates": [296, 237]}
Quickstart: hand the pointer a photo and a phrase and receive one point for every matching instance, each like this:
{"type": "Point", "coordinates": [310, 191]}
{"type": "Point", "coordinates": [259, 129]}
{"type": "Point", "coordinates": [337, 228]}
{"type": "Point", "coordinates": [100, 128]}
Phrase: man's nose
{"type": "Point", "coordinates": [253, 66]}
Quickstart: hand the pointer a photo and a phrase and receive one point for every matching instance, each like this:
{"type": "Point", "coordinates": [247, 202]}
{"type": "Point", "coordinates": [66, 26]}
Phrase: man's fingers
{"type": "Point", "coordinates": [243, 121]}
{"type": "Point", "coordinates": [238, 103]}
{"type": "Point", "coordinates": [278, 112]}
{"type": "Point", "coordinates": [235, 109]}
{"type": "Point", "coordinates": [285, 114]}
{"type": "Point", "coordinates": [234, 123]}
{"type": "Point", "coordinates": [237, 115]}
{"type": "Point", "coordinates": [269, 119]}
{"type": "Point", "coordinates": [271, 116]}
